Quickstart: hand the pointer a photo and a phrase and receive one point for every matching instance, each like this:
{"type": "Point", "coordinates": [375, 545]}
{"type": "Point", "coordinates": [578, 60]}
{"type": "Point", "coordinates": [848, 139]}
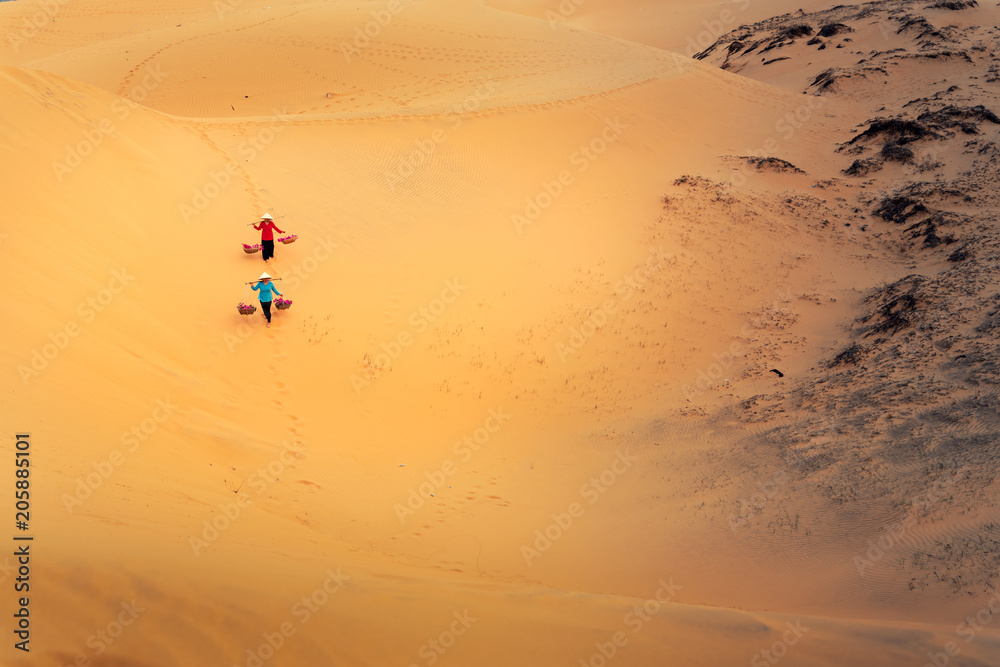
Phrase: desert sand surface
{"type": "Point", "coordinates": [604, 349]}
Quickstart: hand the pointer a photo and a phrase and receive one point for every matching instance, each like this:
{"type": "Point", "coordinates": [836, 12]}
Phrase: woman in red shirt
{"type": "Point", "coordinates": [267, 229]}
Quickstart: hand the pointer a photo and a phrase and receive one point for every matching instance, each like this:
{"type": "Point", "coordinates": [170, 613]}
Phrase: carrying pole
{"type": "Point", "coordinates": [251, 224]}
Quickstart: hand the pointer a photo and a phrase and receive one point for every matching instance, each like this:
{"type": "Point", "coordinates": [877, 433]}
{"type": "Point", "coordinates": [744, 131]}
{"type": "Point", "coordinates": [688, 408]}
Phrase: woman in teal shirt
{"type": "Point", "coordinates": [266, 289]}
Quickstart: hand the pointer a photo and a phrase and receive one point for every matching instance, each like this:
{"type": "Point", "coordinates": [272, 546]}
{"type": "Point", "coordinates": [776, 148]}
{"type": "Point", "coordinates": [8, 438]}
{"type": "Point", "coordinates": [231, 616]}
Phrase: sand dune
{"type": "Point", "coordinates": [524, 397]}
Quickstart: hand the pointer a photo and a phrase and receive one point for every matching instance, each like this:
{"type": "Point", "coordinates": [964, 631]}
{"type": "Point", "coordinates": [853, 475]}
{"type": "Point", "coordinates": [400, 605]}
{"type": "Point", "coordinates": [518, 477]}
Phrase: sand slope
{"type": "Point", "coordinates": [514, 264]}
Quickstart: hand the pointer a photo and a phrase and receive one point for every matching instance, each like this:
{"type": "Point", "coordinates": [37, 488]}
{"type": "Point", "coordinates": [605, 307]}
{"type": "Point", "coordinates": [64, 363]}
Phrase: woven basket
{"type": "Point", "coordinates": [282, 305]}
{"type": "Point", "coordinates": [251, 250]}
{"type": "Point", "coordinates": [288, 239]}
{"type": "Point", "coordinates": [249, 310]}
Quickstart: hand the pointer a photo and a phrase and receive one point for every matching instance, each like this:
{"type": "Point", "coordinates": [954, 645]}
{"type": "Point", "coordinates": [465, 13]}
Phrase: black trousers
{"type": "Point", "coordinates": [266, 306]}
{"type": "Point", "coordinates": [267, 248]}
